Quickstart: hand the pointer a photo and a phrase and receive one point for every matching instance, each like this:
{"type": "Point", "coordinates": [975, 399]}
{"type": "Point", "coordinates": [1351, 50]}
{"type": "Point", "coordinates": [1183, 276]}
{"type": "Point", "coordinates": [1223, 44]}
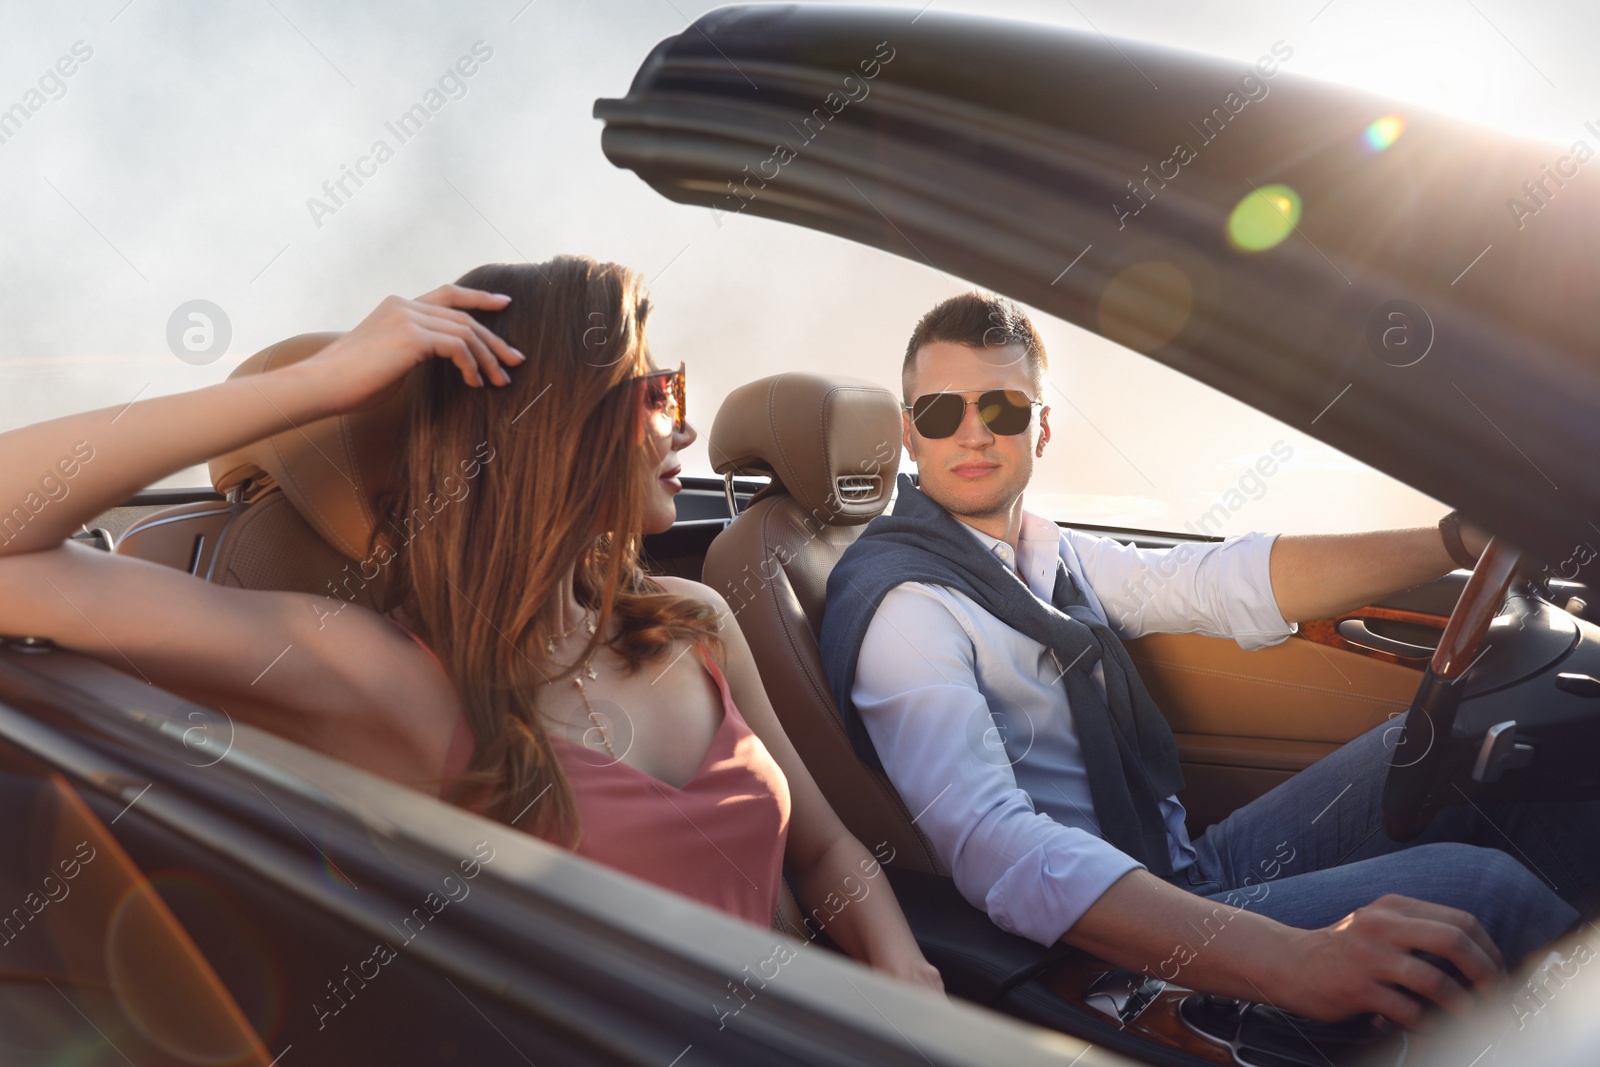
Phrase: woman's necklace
{"type": "Point", "coordinates": [577, 679]}
{"type": "Point", "coordinates": [587, 617]}
{"type": "Point", "coordinates": [599, 723]}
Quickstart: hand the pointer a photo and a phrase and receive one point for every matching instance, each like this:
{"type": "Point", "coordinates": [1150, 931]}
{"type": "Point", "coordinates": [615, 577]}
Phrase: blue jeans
{"type": "Point", "coordinates": [1313, 850]}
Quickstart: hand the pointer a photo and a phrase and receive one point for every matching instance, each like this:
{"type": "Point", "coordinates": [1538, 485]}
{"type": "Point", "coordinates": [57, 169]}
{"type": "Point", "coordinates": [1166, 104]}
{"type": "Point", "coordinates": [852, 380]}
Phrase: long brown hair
{"type": "Point", "coordinates": [503, 492]}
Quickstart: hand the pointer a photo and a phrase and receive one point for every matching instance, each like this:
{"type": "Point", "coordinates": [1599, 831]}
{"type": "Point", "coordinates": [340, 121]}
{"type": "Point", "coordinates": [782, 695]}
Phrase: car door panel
{"type": "Point", "coordinates": [1390, 634]}
{"type": "Point", "coordinates": [1247, 721]}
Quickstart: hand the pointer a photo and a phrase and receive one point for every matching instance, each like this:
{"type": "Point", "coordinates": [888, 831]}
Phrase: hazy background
{"type": "Point", "coordinates": [178, 162]}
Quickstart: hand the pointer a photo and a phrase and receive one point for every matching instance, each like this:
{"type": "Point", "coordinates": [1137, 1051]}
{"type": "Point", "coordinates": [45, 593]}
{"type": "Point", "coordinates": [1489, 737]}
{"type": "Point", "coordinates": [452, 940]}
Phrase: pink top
{"type": "Point", "coordinates": [718, 838]}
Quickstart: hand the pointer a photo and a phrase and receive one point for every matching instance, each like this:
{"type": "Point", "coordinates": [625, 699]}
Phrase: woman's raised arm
{"type": "Point", "coordinates": [56, 475]}
{"type": "Point", "coordinates": [345, 682]}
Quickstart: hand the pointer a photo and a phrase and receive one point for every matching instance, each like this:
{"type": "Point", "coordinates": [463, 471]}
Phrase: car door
{"type": "Point", "coordinates": [185, 890]}
{"type": "Point", "coordinates": [1246, 721]}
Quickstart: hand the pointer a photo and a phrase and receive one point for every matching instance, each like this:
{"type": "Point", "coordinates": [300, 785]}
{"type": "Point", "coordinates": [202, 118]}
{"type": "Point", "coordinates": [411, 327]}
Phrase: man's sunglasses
{"type": "Point", "coordinates": [1006, 412]}
{"type": "Point", "coordinates": [666, 391]}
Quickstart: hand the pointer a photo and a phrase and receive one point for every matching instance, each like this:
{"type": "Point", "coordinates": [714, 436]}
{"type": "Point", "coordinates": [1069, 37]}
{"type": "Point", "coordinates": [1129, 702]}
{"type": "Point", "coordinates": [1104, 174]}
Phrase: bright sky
{"type": "Point", "coordinates": [175, 163]}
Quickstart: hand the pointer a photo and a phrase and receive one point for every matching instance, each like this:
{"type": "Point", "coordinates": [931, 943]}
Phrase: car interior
{"type": "Point", "coordinates": [805, 467]}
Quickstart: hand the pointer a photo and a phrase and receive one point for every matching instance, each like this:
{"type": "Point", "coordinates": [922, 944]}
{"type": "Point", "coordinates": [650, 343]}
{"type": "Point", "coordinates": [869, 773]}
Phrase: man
{"type": "Point", "coordinates": [973, 648]}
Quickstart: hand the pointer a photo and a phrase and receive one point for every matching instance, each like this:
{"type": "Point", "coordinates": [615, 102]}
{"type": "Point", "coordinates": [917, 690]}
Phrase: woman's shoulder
{"type": "Point", "coordinates": [687, 587]}
{"type": "Point", "coordinates": [381, 653]}
{"type": "Point", "coordinates": [721, 614]}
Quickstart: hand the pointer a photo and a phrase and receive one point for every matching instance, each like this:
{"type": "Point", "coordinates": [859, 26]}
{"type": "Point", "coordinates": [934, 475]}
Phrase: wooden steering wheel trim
{"type": "Point", "coordinates": [1479, 604]}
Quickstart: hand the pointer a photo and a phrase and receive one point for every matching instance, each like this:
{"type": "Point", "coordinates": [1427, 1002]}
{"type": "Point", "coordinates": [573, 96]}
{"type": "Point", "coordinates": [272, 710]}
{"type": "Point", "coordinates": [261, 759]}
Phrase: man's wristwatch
{"type": "Point", "coordinates": [1450, 533]}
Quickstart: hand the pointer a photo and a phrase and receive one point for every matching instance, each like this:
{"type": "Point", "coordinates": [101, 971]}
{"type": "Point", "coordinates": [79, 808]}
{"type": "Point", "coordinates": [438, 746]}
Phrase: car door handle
{"type": "Point", "coordinates": [1356, 632]}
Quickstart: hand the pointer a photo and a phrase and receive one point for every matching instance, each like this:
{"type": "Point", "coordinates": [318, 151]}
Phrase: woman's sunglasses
{"type": "Point", "coordinates": [665, 391]}
{"type": "Point", "coordinates": [1006, 412]}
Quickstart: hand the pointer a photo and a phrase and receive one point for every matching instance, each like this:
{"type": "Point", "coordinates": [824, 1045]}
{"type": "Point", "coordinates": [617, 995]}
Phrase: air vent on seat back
{"type": "Point", "coordinates": [857, 488]}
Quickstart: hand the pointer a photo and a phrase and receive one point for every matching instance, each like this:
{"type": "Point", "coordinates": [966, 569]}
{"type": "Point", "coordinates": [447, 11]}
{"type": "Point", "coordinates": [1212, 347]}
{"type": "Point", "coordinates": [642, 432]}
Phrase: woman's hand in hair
{"type": "Point", "coordinates": [401, 334]}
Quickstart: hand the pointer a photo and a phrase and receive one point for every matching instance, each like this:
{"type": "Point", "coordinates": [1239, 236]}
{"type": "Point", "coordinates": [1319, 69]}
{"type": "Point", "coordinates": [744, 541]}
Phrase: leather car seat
{"type": "Point", "coordinates": [299, 509]}
{"type": "Point", "coordinates": [831, 447]}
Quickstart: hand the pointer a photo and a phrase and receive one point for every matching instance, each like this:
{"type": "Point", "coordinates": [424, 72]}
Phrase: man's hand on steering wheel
{"type": "Point", "coordinates": [1422, 763]}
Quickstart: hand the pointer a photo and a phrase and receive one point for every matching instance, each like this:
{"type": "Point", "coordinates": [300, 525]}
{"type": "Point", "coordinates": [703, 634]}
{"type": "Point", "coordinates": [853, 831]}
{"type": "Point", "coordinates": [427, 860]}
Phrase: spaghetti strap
{"type": "Point", "coordinates": [420, 642]}
{"type": "Point", "coordinates": [718, 838]}
{"type": "Point", "coordinates": [730, 710]}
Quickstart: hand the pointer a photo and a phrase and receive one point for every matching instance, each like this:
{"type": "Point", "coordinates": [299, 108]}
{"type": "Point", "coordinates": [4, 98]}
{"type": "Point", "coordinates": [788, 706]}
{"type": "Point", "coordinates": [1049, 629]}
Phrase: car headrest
{"type": "Point", "coordinates": [331, 470]}
{"type": "Point", "coordinates": [831, 443]}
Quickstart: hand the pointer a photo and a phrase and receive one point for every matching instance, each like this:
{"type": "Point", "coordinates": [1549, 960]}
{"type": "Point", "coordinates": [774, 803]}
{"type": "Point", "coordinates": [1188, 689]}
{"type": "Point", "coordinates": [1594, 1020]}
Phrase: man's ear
{"type": "Point", "coordinates": [906, 435]}
{"type": "Point", "coordinates": [1044, 430]}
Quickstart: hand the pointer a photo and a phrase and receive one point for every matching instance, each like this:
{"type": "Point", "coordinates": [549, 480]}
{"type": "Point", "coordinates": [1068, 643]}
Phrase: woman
{"type": "Point", "coordinates": [536, 674]}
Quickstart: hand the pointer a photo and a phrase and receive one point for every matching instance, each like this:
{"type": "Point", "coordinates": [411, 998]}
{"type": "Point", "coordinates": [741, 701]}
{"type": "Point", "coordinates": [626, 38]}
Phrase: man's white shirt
{"type": "Point", "coordinates": [971, 719]}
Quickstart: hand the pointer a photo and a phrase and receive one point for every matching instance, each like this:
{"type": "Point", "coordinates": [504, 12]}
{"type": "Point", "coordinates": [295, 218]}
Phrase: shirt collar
{"type": "Point", "coordinates": [1038, 546]}
{"type": "Point", "coordinates": [998, 547]}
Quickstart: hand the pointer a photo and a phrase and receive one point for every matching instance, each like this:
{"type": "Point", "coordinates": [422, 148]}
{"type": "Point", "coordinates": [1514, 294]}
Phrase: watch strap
{"type": "Point", "coordinates": [1450, 533]}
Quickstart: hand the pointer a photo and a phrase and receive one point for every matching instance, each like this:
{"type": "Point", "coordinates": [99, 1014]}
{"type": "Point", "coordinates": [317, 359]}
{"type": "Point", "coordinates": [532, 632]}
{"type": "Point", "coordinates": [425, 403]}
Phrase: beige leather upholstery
{"type": "Point", "coordinates": [301, 506]}
{"type": "Point", "coordinates": [832, 444]}
{"type": "Point", "coordinates": [331, 470]}
{"type": "Point", "coordinates": [831, 447]}
{"type": "Point", "coordinates": [184, 537]}
{"type": "Point", "coordinates": [1248, 721]}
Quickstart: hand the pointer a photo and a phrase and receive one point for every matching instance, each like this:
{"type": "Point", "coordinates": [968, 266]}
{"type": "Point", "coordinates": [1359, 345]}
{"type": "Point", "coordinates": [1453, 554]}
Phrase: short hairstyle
{"type": "Point", "coordinates": [977, 320]}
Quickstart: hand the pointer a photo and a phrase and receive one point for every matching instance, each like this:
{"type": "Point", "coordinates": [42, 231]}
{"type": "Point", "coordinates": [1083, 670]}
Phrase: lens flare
{"type": "Point", "coordinates": [167, 990]}
{"type": "Point", "coordinates": [1384, 132]}
{"type": "Point", "coordinates": [1146, 306]}
{"type": "Point", "coordinates": [1264, 218]}
{"type": "Point", "coordinates": [334, 876]}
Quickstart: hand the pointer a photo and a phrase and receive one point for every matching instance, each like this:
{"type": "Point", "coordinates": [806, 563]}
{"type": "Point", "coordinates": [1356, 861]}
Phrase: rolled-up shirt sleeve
{"type": "Point", "coordinates": [1220, 589]}
{"type": "Point", "coordinates": [917, 692]}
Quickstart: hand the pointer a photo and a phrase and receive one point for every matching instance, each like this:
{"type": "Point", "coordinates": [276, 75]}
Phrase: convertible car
{"type": "Point", "coordinates": [179, 888]}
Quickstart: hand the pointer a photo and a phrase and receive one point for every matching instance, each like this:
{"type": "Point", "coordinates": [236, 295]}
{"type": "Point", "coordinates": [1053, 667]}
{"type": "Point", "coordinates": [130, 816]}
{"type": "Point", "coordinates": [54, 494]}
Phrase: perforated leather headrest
{"type": "Point", "coordinates": [332, 470]}
{"type": "Point", "coordinates": [832, 443]}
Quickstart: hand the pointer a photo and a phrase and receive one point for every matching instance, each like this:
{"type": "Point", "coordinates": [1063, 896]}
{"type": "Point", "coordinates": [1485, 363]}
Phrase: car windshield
{"type": "Point", "coordinates": [188, 187]}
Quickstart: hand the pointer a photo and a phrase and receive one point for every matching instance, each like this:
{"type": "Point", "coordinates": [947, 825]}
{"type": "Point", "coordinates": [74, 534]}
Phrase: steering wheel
{"type": "Point", "coordinates": [1421, 765]}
